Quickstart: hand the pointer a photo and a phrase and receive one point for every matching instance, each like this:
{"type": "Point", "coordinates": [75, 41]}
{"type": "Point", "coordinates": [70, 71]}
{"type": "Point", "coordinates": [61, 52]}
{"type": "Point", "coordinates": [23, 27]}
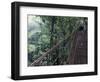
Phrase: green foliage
{"type": "Point", "coordinates": [46, 32]}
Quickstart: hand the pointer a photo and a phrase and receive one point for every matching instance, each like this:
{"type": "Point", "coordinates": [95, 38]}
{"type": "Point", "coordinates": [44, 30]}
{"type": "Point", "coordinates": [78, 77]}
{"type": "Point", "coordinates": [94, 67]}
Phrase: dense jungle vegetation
{"type": "Point", "coordinates": [45, 32]}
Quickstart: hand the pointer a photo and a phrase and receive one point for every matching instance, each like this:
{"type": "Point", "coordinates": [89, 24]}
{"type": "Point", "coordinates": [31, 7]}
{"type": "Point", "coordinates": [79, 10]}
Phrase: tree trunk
{"type": "Point", "coordinates": [78, 53]}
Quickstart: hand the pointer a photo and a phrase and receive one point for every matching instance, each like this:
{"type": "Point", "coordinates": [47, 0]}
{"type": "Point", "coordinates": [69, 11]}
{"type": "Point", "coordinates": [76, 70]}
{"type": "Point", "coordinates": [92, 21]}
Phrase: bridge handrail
{"type": "Point", "coordinates": [50, 50]}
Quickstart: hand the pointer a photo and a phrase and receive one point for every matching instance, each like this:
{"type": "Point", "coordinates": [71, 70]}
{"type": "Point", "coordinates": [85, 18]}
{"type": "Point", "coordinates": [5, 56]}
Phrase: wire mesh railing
{"type": "Point", "coordinates": [52, 57]}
